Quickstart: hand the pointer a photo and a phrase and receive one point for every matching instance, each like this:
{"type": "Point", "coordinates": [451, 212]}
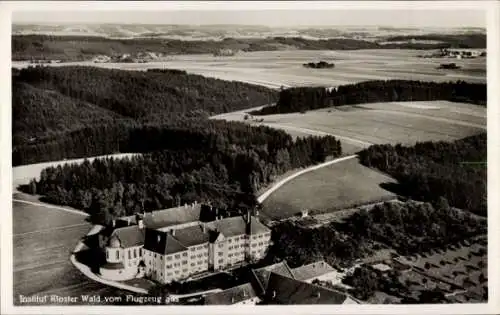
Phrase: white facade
{"type": "Point", "coordinates": [127, 258]}
{"type": "Point", "coordinates": [186, 254]}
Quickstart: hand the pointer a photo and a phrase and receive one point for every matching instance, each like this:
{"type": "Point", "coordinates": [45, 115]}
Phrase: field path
{"type": "Point", "coordinates": [47, 205]}
{"type": "Point", "coordinates": [276, 186]}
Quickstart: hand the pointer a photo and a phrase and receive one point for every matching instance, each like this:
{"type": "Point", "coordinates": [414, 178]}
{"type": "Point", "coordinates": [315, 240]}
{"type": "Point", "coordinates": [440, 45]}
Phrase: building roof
{"type": "Point", "coordinates": [290, 291]}
{"type": "Point", "coordinates": [192, 236]}
{"type": "Point", "coordinates": [129, 236]}
{"type": "Point", "coordinates": [234, 226]}
{"type": "Point", "coordinates": [162, 242]}
{"type": "Point", "coordinates": [231, 296]}
{"type": "Point", "coordinates": [382, 267]}
{"type": "Point", "coordinates": [262, 274]}
{"type": "Point", "coordinates": [256, 227]}
{"type": "Point", "coordinates": [229, 226]}
{"type": "Point", "coordinates": [114, 242]}
{"type": "Point", "coordinates": [311, 271]}
{"type": "Point", "coordinates": [173, 216]}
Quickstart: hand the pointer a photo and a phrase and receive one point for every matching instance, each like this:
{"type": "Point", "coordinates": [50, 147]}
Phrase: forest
{"type": "Point", "coordinates": [409, 227]}
{"type": "Point", "coordinates": [429, 170]}
{"type": "Point", "coordinates": [300, 99]}
{"type": "Point", "coordinates": [203, 161]}
{"type": "Point", "coordinates": [70, 112]}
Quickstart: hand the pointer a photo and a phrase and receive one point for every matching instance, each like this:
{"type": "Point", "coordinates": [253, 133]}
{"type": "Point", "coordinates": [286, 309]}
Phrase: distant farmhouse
{"type": "Point", "coordinates": [225, 52]}
{"type": "Point", "coordinates": [460, 53]}
{"type": "Point", "coordinates": [174, 244]}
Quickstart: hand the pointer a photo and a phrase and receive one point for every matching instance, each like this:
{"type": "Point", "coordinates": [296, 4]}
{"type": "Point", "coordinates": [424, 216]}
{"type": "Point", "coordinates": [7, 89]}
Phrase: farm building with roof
{"type": "Point", "coordinates": [277, 284]}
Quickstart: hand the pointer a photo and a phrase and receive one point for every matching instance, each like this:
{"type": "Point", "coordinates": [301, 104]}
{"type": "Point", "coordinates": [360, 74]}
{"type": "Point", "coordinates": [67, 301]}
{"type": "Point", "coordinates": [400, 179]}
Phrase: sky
{"type": "Point", "coordinates": [273, 18]}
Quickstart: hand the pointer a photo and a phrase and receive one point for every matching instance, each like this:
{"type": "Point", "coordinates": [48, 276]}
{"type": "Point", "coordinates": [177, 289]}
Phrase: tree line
{"type": "Point", "coordinates": [429, 170]}
{"type": "Point", "coordinates": [201, 160]}
{"type": "Point", "coordinates": [300, 99]}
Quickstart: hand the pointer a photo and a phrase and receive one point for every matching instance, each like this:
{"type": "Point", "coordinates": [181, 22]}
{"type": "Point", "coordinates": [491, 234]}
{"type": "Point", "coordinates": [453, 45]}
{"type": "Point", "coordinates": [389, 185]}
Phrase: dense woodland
{"type": "Point", "coordinates": [301, 99]}
{"type": "Point", "coordinates": [409, 227]}
{"type": "Point", "coordinates": [77, 48]}
{"type": "Point", "coordinates": [70, 112]}
{"type": "Point", "coordinates": [430, 170]}
{"type": "Point", "coordinates": [225, 163]}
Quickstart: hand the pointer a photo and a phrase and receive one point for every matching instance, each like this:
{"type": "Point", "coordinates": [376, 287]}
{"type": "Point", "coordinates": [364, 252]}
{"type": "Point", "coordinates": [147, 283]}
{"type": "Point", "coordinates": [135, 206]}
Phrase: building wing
{"type": "Point", "coordinates": [173, 216]}
{"type": "Point", "coordinates": [162, 243]}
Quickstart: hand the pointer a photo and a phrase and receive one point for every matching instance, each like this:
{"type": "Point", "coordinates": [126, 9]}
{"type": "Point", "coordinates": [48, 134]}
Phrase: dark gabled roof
{"type": "Point", "coordinates": [173, 216]}
{"type": "Point", "coordinates": [256, 227]}
{"type": "Point", "coordinates": [213, 235]}
{"type": "Point", "coordinates": [229, 226]}
{"type": "Point", "coordinates": [192, 236]}
{"type": "Point", "coordinates": [129, 236]}
{"type": "Point", "coordinates": [262, 274]}
{"type": "Point", "coordinates": [231, 296]}
{"type": "Point", "coordinates": [162, 242]}
{"type": "Point", "coordinates": [237, 226]}
{"type": "Point", "coordinates": [311, 271]}
{"type": "Point", "coordinates": [291, 291]}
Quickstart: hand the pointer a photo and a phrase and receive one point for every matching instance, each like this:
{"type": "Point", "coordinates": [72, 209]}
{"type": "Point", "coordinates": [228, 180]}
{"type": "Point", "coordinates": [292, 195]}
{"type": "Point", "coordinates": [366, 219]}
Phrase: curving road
{"type": "Point", "coordinates": [276, 186]}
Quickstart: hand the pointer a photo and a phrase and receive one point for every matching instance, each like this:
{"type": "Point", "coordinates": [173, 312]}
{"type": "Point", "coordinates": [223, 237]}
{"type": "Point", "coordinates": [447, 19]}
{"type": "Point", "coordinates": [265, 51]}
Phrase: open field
{"type": "Point", "coordinates": [284, 68]}
{"type": "Point", "coordinates": [338, 186]}
{"type": "Point", "coordinates": [359, 126]}
{"type": "Point", "coordinates": [42, 243]}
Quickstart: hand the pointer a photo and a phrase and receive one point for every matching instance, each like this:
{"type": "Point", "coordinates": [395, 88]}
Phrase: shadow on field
{"type": "Point", "coordinates": [93, 258]}
{"type": "Point", "coordinates": [394, 188]}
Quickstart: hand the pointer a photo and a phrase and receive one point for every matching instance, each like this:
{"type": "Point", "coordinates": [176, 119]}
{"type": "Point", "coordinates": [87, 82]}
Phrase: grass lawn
{"type": "Point", "coordinates": [338, 186]}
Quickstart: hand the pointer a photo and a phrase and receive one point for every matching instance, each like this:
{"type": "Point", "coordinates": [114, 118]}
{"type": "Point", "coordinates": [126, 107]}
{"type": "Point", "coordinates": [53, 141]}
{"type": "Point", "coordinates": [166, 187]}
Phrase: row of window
{"type": "Point", "coordinates": [235, 254]}
{"type": "Point", "coordinates": [135, 253]}
{"type": "Point", "coordinates": [199, 255]}
{"type": "Point", "coordinates": [200, 247]}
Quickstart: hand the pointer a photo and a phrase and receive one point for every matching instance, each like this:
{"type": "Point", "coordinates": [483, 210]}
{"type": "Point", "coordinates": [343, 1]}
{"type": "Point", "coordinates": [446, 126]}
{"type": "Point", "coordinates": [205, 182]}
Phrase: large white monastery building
{"type": "Point", "coordinates": [174, 244]}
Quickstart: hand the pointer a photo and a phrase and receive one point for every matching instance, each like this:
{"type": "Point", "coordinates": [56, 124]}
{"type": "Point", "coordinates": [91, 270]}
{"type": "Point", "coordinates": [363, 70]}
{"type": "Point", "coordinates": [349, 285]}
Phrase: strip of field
{"type": "Point", "coordinates": [391, 122]}
{"type": "Point", "coordinates": [42, 244]}
{"type": "Point", "coordinates": [360, 126]}
{"type": "Point", "coordinates": [330, 188]}
{"type": "Point", "coordinates": [284, 68]}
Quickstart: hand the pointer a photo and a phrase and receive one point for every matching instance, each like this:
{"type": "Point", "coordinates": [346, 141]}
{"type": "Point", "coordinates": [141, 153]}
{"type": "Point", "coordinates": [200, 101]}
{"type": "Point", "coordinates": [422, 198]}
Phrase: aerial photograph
{"type": "Point", "coordinates": [263, 157]}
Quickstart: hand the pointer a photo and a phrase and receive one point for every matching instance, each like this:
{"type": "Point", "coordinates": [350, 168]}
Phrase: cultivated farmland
{"type": "Point", "coordinates": [464, 267]}
{"type": "Point", "coordinates": [360, 126]}
{"type": "Point", "coordinates": [43, 240]}
{"type": "Point", "coordinates": [338, 186]}
{"type": "Point", "coordinates": [284, 68]}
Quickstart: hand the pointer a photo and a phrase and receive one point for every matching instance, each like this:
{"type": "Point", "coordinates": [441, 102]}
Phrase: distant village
{"type": "Point", "coordinates": [457, 53]}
